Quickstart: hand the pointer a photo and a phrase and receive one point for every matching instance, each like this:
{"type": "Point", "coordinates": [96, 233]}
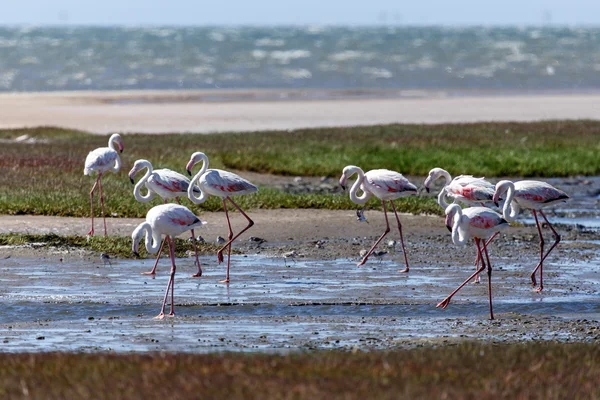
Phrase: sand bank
{"type": "Point", "coordinates": [222, 111]}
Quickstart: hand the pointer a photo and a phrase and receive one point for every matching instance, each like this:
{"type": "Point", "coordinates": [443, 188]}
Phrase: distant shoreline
{"type": "Point", "coordinates": [207, 111]}
{"type": "Point", "coordinates": [145, 96]}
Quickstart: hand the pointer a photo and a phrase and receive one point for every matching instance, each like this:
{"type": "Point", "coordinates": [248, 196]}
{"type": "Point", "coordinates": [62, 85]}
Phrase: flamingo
{"type": "Point", "coordinates": [169, 220]}
{"type": "Point", "coordinates": [531, 195]}
{"type": "Point", "coordinates": [464, 189]}
{"type": "Point", "coordinates": [386, 185]}
{"type": "Point", "coordinates": [478, 223]}
{"type": "Point", "coordinates": [222, 184]}
{"type": "Point", "coordinates": [167, 184]}
{"type": "Point", "coordinates": [101, 160]}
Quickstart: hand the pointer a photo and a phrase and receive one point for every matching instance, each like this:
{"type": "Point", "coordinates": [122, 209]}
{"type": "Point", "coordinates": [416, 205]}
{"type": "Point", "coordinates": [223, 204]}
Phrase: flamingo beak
{"type": "Point", "coordinates": [132, 181]}
{"type": "Point", "coordinates": [426, 189]}
{"type": "Point", "coordinates": [496, 203]}
{"type": "Point", "coordinates": [189, 172]}
{"type": "Point", "coordinates": [136, 254]}
{"type": "Point", "coordinates": [448, 222]}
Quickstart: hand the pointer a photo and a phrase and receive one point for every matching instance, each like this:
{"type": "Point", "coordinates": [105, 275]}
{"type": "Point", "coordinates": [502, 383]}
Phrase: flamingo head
{"type": "Point", "coordinates": [346, 173]}
{"type": "Point", "coordinates": [501, 188]}
{"type": "Point", "coordinates": [136, 237]}
{"type": "Point", "coordinates": [451, 210]}
{"type": "Point", "coordinates": [116, 139]}
{"type": "Point", "coordinates": [137, 166]}
{"type": "Point", "coordinates": [433, 175]}
{"type": "Point", "coordinates": [195, 159]}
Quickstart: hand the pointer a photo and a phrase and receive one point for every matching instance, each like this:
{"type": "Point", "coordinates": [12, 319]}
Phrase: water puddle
{"type": "Point", "coordinates": [273, 305]}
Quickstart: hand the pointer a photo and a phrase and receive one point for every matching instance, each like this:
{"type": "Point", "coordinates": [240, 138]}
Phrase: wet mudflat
{"type": "Point", "coordinates": [273, 304]}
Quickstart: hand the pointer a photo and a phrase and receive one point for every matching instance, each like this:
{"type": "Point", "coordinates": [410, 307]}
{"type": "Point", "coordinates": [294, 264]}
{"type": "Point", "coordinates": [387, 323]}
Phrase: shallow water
{"type": "Point", "coordinates": [274, 305]}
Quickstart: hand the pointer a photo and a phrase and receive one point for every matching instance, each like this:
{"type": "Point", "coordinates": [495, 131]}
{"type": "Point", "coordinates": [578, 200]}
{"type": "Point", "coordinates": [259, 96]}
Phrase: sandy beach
{"type": "Point", "coordinates": [243, 110]}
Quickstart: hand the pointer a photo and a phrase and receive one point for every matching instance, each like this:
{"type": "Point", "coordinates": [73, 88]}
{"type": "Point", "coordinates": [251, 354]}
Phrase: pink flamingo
{"type": "Point", "coordinates": [531, 195]}
{"type": "Point", "coordinates": [101, 160]}
{"type": "Point", "coordinates": [167, 184]}
{"type": "Point", "coordinates": [386, 185]}
{"type": "Point", "coordinates": [478, 223]}
{"type": "Point", "coordinates": [463, 189]}
{"type": "Point", "coordinates": [222, 184]}
{"type": "Point", "coordinates": [169, 220]}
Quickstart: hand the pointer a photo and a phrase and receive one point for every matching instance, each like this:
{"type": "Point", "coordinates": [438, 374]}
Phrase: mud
{"type": "Point", "coordinates": [298, 287]}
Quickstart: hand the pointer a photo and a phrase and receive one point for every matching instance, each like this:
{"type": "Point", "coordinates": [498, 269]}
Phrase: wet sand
{"type": "Point", "coordinates": [65, 299]}
{"type": "Point", "coordinates": [224, 111]}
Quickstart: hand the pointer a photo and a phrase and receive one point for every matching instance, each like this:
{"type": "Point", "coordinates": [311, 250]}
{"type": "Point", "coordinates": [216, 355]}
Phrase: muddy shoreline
{"type": "Point", "coordinates": [295, 285]}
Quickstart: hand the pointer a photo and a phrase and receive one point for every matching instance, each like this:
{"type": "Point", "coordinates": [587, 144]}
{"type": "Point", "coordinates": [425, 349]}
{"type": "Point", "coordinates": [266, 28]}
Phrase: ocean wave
{"type": "Point", "coordinates": [403, 58]}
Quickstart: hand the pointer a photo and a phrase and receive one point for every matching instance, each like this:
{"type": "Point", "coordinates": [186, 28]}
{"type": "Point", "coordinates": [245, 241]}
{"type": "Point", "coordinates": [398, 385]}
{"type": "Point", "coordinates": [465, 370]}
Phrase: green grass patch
{"type": "Point", "coordinates": [466, 371]}
{"type": "Point", "coordinates": [113, 245]}
{"type": "Point", "coordinates": [45, 176]}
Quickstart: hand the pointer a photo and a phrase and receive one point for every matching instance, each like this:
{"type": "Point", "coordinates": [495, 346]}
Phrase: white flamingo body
{"type": "Point", "coordinates": [101, 160]}
{"type": "Point", "coordinates": [532, 195]}
{"type": "Point", "coordinates": [387, 185]}
{"type": "Point", "coordinates": [169, 220]}
{"type": "Point", "coordinates": [163, 182]}
{"type": "Point", "coordinates": [219, 183]}
{"type": "Point", "coordinates": [478, 223]}
{"type": "Point", "coordinates": [168, 184]}
{"type": "Point", "coordinates": [223, 184]}
{"type": "Point", "coordinates": [474, 222]}
{"type": "Point", "coordinates": [465, 189]}
{"type": "Point", "coordinates": [384, 184]}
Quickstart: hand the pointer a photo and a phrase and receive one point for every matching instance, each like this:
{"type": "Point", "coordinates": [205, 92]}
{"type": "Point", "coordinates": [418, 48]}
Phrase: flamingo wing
{"type": "Point", "coordinates": [484, 218]}
{"type": "Point", "coordinates": [170, 180]}
{"type": "Point", "coordinates": [224, 183]}
{"type": "Point", "coordinates": [538, 192]}
{"type": "Point", "coordinates": [172, 219]}
{"type": "Point", "coordinates": [383, 181]}
{"type": "Point", "coordinates": [100, 159]}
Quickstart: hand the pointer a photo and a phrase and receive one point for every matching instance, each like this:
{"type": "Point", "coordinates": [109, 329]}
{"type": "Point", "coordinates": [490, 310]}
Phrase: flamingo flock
{"type": "Point", "coordinates": [477, 221]}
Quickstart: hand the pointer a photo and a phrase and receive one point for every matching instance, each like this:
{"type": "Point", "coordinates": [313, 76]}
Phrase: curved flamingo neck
{"type": "Point", "coordinates": [152, 240]}
{"type": "Point", "coordinates": [510, 209]}
{"type": "Point", "coordinates": [456, 213]}
{"type": "Point", "coordinates": [111, 145]}
{"type": "Point", "coordinates": [137, 190]}
{"type": "Point", "coordinates": [442, 198]}
{"type": "Point", "coordinates": [440, 173]}
{"type": "Point", "coordinates": [112, 140]}
{"type": "Point", "coordinates": [198, 157]}
{"type": "Point", "coordinates": [357, 184]}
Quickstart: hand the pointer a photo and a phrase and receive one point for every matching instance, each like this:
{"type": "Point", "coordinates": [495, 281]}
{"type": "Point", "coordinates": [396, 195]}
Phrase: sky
{"type": "Point", "coordinates": [294, 12]}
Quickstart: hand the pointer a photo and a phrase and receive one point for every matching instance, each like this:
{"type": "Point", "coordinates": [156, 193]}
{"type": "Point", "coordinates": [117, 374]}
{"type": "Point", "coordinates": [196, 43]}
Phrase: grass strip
{"type": "Point", "coordinates": [466, 371]}
{"type": "Point", "coordinates": [42, 173]}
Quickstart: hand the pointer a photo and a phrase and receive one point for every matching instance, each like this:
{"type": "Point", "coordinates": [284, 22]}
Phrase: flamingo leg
{"type": "Point", "coordinates": [232, 238]}
{"type": "Point", "coordinates": [229, 236]}
{"type": "Point", "coordinates": [542, 258]}
{"type": "Point", "coordinates": [539, 228]}
{"type": "Point", "coordinates": [157, 258]}
{"type": "Point", "coordinates": [387, 230]}
{"type": "Point", "coordinates": [444, 303]}
{"type": "Point", "coordinates": [102, 204]}
{"type": "Point", "coordinates": [199, 273]}
{"type": "Point", "coordinates": [171, 284]}
{"type": "Point", "coordinates": [489, 273]}
{"type": "Point", "coordinates": [91, 232]}
{"type": "Point", "coordinates": [477, 279]}
{"type": "Point", "coordinates": [401, 237]}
